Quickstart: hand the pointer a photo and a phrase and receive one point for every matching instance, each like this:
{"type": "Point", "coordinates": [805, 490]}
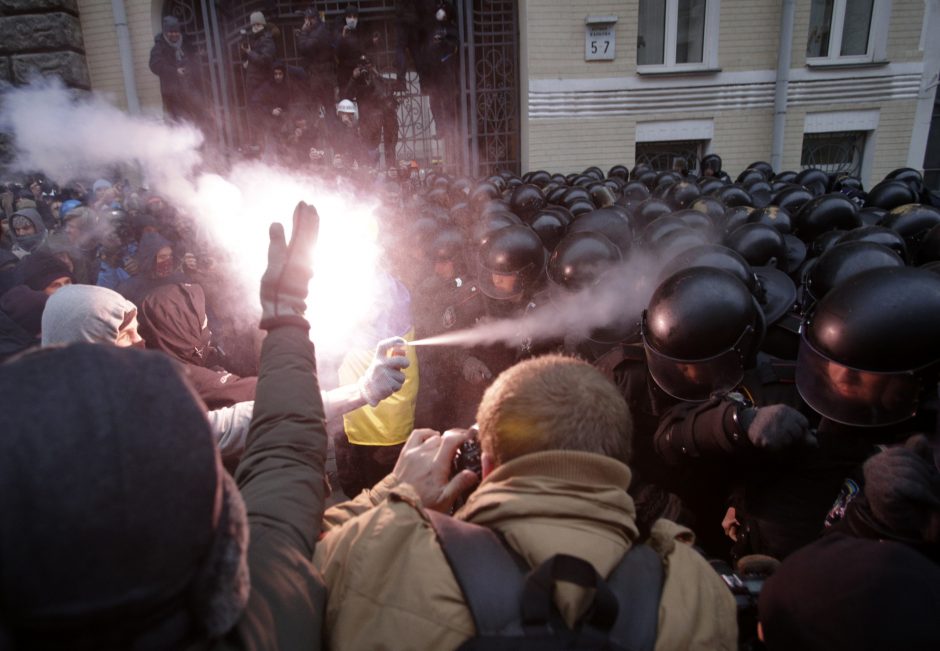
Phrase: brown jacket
{"type": "Point", "coordinates": [390, 586]}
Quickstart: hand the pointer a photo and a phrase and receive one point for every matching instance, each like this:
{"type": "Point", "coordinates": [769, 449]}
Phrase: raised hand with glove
{"type": "Point", "coordinates": [290, 268]}
{"type": "Point", "coordinates": [776, 427]}
{"type": "Point", "coordinates": [384, 375]}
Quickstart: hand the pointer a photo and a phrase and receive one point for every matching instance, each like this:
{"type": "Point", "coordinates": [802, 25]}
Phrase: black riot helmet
{"type": "Point", "coordinates": [511, 262]}
{"type": "Point", "coordinates": [574, 194]}
{"type": "Point", "coordinates": [555, 194]}
{"type": "Point", "coordinates": [620, 172]}
{"type": "Point", "coordinates": [735, 217]}
{"type": "Point", "coordinates": [711, 207]}
{"type": "Point", "coordinates": [482, 194]}
{"type": "Point", "coordinates": [700, 332]}
{"type": "Point", "coordinates": [580, 207]}
{"type": "Point", "coordinates": [879, 235]}
{"type": "Point", "coordinates": [650, 209]}
{"type": "Point", "coordinates": [829, 212]}
{"type": "Point", "coordinates": [844, 261]}
{"type": "Point", "coordinates": [679, 241]}
{"type": "Point", "coordinates": [786, 176]}
{"type": "Point", "coordinates": [912, 222]}
{"type": "Point", "coordinates": [733, 195]}
{"type": "Point", "coordinates": [773, 289]}
{"type": "Point", "coordinates": [709, 184]}
{"type": "Point", "coordinates": [526, 200]}
{"type": "Point", "coordinates": [711, 165]}
{"type": "Point", "coordinates": [750, 175]}
{"type": "Point", "coordinates": [594, 172]}
{"type": "Point", "coordinates": [909, 176]}
{"type": "Point", "coordinates": [601, 195]}
{"type": "Point", "coordinates": [448, 246]}
{"type": "Point", "coordinates": [660, 227]}
{"type": "Point", "coordinates": [636, 190]}
{"type": "Point", "coordinates": [814, 180]}
{"type": "Point", "coordinates": [609, 222]}
{"type": "Point", "coordinates": [759, 244]}
{"type": "Point", "coordinates": [774, 216]}
{"type": "Point", "coordinates": [682, 194]}
{"type": "Point", "coordinates": [540, 178]}
{"type": "Point", "coordinates": [792, 198]}
{"type": "Point", "coordinates": [550, 226]}
{"type": "Point", "coordinates": [869, 350]}
{"type": "Point", "coordinates": [890, 195]}
{"type": "Point", "coordinates": [929, 249]}
{"type": "Point", "coordinates": [492, 222]}
{"type": "Point", "coordinates": [580, 259]}
{"type": "Point", "coordinates": [764, 167]}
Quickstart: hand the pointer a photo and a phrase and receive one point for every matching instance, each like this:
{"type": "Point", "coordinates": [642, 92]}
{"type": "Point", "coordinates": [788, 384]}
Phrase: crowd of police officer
{"type": "Point", "coordinates": [786, 333]}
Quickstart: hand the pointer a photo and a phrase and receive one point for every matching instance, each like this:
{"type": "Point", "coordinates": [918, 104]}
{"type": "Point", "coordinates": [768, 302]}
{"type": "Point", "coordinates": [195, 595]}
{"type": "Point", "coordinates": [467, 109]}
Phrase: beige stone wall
{"type": "Point", "coordinates": [748, 35]}
{"type": "Point", "coordinates": [104, 61]}
{"type": "Point", "coordinates": [555, 38]}
{"type": "Point", "coordinates": [570, 146]}
{"type": "Point", "coordinates": [907, 19]}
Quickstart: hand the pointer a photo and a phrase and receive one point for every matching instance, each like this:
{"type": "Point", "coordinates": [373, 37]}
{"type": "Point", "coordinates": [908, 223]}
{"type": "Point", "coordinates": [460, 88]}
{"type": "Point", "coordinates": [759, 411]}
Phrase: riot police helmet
{"type": "Point", "coordinates": [793, 198]}
{"type": "Point", "coordinates": [620, 172]}
{"type": "Point", "coordinates": [929, 248]}
{"type": "Point", "coordinates": [879, 235]}
{"type": "Point", "coordinates": [573, 194]}
{"type": "Point", "coordinates": [869, 350]}
{"type": "Point", "coordinates": [601, 195]}
{"type": "Point", "coordinates": [609, 222]}
{"type": "Point", "coordinates": [890, 195]}
{"type": "Point", "coordinates": [829, 212]}
{"type": "Point", "coordinates": [550, 226]}
{"type": "Point", "coordinates": [711, 165]}
{"type": "Point", "coordinates": [683, 194]}
{"type": "Point", "coordinates": [912, 222]}
{"type": "Point", "coordinates": [733, 195]}
{"type": "Point", "coordinates": [526, 200]}
{"type": "Point", "coordinates": [711, 207]}
{"type": "Point", "coordinates": [814, 180]}
{"type": "Point", "coordinates": [491, 222]}
{"type": "Point", "coordinates": [909, 176]}
{"type": "Point", "coordinates": [761, 245]}
{"type": "Point", "coordinates": [580, 259]}
{"type": "Point", "coordinates": [650, 209]}
{"type": "Point", "coordinates": [842, 262]}
{"type": "Point", "coordinates": [786, 176]}
{"type": "Point", "coordinates": [511, 262]}
{"type": "Point", "coordinates": [774, 216]}
{"type": "Point", "coordinates": [700, 332]}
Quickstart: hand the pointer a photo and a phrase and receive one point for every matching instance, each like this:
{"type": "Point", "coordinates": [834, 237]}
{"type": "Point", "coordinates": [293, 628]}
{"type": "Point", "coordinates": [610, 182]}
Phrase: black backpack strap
{"type": "Point", "coordinates": [637, 583]}
{"type": "Point", "coordinates": [490, 576]}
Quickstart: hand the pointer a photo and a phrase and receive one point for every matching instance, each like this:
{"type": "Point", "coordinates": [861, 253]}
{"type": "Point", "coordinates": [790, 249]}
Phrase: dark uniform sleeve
{"type": "Point", "coordinates": [263, 52]}
{"type": "Point", "coordinates": [161, 64]}
{"type": "Point", "coordinates": [707, 430]}
{"type": "Point", "coordinates": [280, 477]}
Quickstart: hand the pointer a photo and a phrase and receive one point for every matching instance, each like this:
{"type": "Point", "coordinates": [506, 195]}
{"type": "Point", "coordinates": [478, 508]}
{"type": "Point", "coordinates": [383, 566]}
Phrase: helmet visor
{"type": "Point", "coordinates": [695, 380]}
{"type": "Point", "coordinates": [853, 396]}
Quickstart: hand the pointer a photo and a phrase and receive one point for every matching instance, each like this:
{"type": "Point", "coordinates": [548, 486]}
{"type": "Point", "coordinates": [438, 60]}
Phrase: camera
{"type": "Point", "coordinates": [469, 455]}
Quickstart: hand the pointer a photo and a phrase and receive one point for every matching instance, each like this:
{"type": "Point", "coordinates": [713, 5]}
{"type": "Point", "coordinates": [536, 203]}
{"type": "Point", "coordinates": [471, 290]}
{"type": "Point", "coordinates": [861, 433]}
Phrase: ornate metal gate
{"type": "Point", "coordinates": [487, 137]}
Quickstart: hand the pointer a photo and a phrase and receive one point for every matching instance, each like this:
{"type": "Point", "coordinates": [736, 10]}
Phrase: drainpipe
{"type": "Point", "coordinates": [127, 60]}
{"type": "Point", "coordinates": [784, 54]}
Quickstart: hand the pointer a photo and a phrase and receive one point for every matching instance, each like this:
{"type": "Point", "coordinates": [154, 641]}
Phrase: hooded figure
{"type": "Point", "coordinates": [21, 311]}
{"type": "Point", "coordinates": [85, 313]}
{"type": "Point", "coordinates": [155, 266]}
{"type": "Point", "coordinates": [123, 531]}
{"type": "Point", "coordinates": [173, 320]}
{"type": "Point", "coordinates": [27, 231]}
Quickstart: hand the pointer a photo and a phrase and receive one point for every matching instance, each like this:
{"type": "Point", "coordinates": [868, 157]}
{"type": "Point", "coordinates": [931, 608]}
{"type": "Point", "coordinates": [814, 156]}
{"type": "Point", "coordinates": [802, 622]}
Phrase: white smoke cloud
{"type": "Point", "coordinates": [67, 135]}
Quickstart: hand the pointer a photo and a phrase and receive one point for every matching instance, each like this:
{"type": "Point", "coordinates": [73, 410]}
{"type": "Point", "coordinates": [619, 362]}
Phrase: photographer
{"type": "Point", "coordinates": [554, 482]}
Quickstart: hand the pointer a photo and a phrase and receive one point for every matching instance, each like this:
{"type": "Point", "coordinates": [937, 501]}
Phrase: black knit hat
{"type": "Point", "coordinates": [39, 269]}
{"type": "Point", "coordinates": [112, 497]}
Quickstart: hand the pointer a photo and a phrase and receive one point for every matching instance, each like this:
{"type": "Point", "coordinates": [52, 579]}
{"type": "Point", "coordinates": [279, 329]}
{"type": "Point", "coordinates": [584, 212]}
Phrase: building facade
{"type": "Point", "coordinates": [562, 84]}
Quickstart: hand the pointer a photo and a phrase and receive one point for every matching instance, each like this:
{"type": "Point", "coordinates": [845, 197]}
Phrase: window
{"type": "Point", "coordinates": [847, 31]}
{"type": "Point", "coordinates": [662, 156]}
{"type": "Point", "coordinates": [677, 35]}
{"type": "Point", "coordinates": [839, 152]}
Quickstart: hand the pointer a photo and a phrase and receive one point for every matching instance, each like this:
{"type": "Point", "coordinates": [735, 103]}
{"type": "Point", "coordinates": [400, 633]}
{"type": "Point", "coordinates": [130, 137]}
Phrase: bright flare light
{"type": "Point", "coordinates": [238, 211]}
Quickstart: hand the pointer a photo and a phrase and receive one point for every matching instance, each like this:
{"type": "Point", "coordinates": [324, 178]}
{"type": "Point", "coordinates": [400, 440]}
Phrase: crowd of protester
{"type": "Point", "coordinates": [741, 455]}
{"type": "Point", "coordinates": [338, 104]}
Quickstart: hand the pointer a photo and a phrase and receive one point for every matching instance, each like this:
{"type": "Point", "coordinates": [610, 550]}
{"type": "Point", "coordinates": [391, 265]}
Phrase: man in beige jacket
{"type": "Point", "coordinates": [555, 436]}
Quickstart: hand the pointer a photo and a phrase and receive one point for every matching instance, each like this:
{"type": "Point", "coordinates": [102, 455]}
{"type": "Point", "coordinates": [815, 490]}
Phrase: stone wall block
{"type": "Point", "coordinates": [70, 66]}
{"type": "Point", "coordinates": [28, 33]}
{"type": "Point", "coordinates": [37, 6]}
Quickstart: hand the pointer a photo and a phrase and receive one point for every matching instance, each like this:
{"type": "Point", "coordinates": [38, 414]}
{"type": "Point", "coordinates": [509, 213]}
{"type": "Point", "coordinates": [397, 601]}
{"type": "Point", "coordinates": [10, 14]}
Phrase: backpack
{"type": "Point", "coordinates": [512, 605]}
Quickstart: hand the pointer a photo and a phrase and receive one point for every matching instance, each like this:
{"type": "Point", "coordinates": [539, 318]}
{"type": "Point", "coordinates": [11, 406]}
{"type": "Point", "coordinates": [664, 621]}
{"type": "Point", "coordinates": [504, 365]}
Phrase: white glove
{"type": "Point", "coordinates": [384, 376]}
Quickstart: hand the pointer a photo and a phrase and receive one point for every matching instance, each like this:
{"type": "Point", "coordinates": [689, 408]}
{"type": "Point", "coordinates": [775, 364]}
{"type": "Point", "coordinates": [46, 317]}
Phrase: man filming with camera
{"type": "Point", "coordinates": [555, 437]}
{"type": "Point", "coordinates": [377, 109]}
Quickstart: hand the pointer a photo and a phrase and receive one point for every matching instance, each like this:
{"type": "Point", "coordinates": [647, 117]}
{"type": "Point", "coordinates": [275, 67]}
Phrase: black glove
{"type": "Point", "coordinates": [776, 427]}
{"type": "Point", "coordinates": [290, 268]}
{"type": "Point", "coordinates": [902, 485]}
